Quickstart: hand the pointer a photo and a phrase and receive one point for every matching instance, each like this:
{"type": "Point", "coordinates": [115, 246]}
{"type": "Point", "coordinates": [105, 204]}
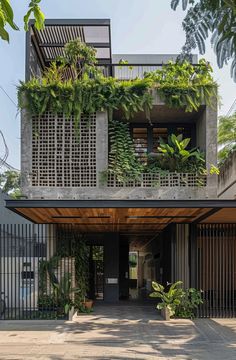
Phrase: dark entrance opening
{"type": "Point", "coordinates": [96, 272]}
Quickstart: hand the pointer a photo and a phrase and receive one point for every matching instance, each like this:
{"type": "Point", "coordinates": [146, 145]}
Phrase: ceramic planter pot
{"type": "Point", "coordinates": [88, 304]}
{"type": "Point", "coordinates": [165, 313]}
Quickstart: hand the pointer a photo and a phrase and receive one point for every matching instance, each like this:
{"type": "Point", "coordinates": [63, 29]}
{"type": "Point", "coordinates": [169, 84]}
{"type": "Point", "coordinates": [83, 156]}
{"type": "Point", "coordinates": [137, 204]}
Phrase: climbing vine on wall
{"type": "Point", "coordinates": [123, 162]}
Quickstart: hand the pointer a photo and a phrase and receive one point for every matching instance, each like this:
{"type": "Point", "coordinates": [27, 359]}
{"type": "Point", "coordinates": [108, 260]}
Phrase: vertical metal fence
{"type": "Point", "coordinates": [37, 272]}
{"type": "Point", "coordinates": [216, 269]}
{"type": "Point", "coordinates": [37, 265]}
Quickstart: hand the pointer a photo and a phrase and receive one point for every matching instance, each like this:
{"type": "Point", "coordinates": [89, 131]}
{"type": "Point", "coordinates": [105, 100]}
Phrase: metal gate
{"type": "Point", "coordinates": [37, 264]}
{"type": "Point", "coordinates": [216, 269]}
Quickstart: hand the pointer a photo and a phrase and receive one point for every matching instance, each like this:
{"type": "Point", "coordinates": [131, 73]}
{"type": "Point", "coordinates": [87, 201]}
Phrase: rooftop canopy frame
{"type": "Point", "coordinates": [46, 45]}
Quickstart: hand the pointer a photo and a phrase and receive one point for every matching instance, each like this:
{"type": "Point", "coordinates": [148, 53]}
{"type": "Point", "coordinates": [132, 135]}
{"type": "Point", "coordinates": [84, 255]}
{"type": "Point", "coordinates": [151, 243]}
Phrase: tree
{"type": "Point", "coordinates": [226, 135]}
{"type": "Point", "coordinates": [10, 183]}
{"type": "Point", "coordinates": [7, 17]}
{"type": "Point", "coordinates": [217, 17]}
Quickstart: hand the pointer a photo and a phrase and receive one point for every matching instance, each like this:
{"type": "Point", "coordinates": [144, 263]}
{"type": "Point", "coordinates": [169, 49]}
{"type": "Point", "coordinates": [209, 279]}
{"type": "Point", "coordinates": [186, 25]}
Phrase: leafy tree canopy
{"type": "Point", "coordinates": [216, 17]}
{"type": "Point", "coordinates": [10, 183]}
{"type": "Point", "coordinates": [226, 136]}
{"type": "Point", "coordinates": [7, 17]}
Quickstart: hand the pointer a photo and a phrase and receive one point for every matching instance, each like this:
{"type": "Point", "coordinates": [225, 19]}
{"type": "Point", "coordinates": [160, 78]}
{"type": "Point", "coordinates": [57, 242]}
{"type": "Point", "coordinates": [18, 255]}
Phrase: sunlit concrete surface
{"type": "Point", "coordinates": [119, 332]}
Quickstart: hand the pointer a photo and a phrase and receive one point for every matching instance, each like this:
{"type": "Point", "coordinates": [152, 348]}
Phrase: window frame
{"type": "Point", "coordinates": [170, 130]}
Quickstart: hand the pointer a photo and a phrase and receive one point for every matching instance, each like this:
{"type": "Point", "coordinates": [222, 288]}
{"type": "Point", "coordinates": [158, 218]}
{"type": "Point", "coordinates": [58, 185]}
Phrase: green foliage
{"type": "Point", "coordinates": [184, 85]}
{"type": "Point", "coordinates": [81, 254]}
{"type": "Point", "coordinates": [7, 17]}
{"type": "Point", "coordinates": [80, 58]}
{"type": "Point", "coordinates": [39, 17]}
{"type": "Point", "coordinates": [181, 85]}
{"type": "Point", "coordinates": [83, 96]}
{"type": "Point", "coordinates": [189, 303]}
{"type": "Point", "coordinates": [173, 156]}
{"type": "Point", "coordinates": [61, 297]}
{"type": "Point", "coordinates": [123, 162]}
{"type": "Point", "coordinates": [78, 249]}
{"type": "Point", "coordinates": [179, 302]}
{"type": "Point", "coordinates": [10, 183]}
{"type": "Point", "coordinates": [226, 136]}
{"type": "Point", "coordinates": [217, 17]}
{"type": "Point", "coordinates": [170, 298]}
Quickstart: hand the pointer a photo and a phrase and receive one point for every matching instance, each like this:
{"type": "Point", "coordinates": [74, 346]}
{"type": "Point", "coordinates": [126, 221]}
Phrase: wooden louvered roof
{"type": "Point", "coordinates": [50, 41]}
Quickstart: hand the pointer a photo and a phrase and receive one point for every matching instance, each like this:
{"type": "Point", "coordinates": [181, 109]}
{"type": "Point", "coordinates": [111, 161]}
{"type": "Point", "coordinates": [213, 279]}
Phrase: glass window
{"type": "Point", "coordinates": [147, 139]}
{"type": "Point", "coordinates": [140, 138]}
{"type": "Point", "coordinates": [158, 133]}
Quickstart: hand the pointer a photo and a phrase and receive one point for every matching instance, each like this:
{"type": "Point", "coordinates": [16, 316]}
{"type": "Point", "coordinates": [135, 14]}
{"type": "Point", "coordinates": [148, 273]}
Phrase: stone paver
{"type": "Point", "coordinates": [119, 332]}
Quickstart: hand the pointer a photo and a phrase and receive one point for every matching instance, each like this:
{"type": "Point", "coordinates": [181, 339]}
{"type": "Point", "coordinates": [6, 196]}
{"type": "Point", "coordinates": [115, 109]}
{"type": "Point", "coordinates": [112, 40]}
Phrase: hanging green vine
{"type": "Point", "coordinates": [180, 85]}
{"type": "Point", "coordinates": [183, 85]}
{"type": "Point", "coordinates": [85, 96]}
{"type": "Point", "coordinates": [123, 163]}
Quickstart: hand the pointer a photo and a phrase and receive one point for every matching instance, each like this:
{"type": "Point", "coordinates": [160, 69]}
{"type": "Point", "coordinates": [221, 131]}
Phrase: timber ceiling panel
{"type": "Point", "coordinates": [131, 220]}
{"type": "Point", "coordinates": [222, 216]}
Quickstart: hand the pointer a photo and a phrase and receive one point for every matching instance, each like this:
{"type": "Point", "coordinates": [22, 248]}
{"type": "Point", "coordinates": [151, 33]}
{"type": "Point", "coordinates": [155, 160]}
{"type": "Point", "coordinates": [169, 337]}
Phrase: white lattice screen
{"type": "Point", "coordinates": [59, 157]}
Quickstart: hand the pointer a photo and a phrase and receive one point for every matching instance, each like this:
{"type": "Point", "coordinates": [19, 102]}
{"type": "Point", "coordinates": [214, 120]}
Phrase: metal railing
{"type": "Point", "coordinates": [128, 71]}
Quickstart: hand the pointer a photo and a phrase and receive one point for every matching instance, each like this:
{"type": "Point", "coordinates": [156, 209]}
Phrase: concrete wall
{"type": "Point", "coordinates": [227, 178]}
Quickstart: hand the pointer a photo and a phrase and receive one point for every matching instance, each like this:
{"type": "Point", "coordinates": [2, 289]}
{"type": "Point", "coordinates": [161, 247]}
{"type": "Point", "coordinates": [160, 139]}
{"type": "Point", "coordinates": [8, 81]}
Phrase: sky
{"type": "Point", "coordinates": [138, 27]}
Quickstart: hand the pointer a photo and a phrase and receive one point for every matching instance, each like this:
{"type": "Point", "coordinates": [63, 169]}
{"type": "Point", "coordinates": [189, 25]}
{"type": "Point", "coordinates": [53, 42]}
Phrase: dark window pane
{"type": "Point", "coordinates": [186, 132]}
{"type": "Point", "coordinates": [140, 139]}
{"type": "Point", "coordinates": [157, 134]}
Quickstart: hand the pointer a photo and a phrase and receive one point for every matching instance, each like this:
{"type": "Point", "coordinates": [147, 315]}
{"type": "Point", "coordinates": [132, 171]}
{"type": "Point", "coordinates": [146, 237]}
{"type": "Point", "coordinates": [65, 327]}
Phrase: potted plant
{"type": "Point", "coordinates": [87, 303]}
{"type": "Point", "coordinates": [170, 298]}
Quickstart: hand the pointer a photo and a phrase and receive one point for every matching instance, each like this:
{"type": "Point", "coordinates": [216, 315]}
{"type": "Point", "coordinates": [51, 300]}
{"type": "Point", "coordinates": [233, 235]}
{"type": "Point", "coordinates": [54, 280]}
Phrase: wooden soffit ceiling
{"type": "Point", "coordinates": [114, 219]}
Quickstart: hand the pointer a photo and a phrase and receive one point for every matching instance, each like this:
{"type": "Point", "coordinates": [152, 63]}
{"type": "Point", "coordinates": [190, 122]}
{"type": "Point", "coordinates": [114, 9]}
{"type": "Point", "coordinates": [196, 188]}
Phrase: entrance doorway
{"type": "Point", "coordinates": [96, 272]}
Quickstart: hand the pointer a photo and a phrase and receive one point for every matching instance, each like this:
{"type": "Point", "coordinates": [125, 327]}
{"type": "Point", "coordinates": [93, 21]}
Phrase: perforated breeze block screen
{"type": "Point", "coordinates": [61, 157]}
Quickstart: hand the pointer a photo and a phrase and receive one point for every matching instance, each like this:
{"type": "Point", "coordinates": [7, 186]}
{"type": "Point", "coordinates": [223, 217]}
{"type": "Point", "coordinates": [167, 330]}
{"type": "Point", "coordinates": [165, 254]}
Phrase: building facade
{"type": "Point", "coordinates": [162, 226]}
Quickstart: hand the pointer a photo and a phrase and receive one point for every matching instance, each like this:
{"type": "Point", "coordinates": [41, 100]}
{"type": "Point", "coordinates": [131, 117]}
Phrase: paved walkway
{"type": "Point", "coordinates": [119, 332]}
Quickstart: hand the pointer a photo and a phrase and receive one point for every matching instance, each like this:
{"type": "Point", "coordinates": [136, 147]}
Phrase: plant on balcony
{"type": "Point", "coordinates": [183, 85]}
{"type": "Point", "coordinates": [174, 156]}
{"type": "Point", "coordinates": [72, 86]}
{"type": "Point", "coordinates": [79, 58]}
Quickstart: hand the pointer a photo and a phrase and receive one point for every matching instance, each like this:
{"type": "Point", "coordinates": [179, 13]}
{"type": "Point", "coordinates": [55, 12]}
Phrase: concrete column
{"type": "Point", "coordinates": [26, 151]}
{"type": "Point", "coordinates": [211, 151]}
{"type": "Point", "coordinates": [206, 128]}
{"type": "Point", "coordinates": [111, 267]}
